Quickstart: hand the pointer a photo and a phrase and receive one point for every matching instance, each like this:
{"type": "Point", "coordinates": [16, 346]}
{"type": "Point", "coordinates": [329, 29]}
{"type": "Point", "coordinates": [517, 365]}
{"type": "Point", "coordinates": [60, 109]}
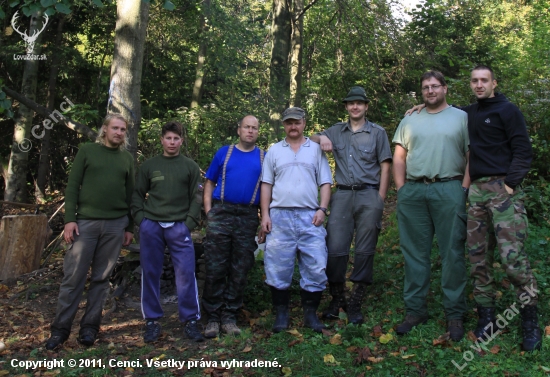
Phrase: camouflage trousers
{"type": "Point", "coordinates": [496, 218]}
{"type": "Point", "coordinates": [229, 255]}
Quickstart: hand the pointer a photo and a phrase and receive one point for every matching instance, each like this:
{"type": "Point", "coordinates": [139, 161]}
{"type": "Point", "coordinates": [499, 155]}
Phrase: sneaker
{"type": "Point", "coordinates": [212, 330]}
{"type": "Point", "coordinates": [231, 329]}
{"type": "Point", "coordinates": [455, 329]}
{"type": "Point", "coordinates": [192, 331]}
{"type": "Point", "coordinates": [152, 331]}
{"type": "Point", "coordinates": [410, 322]}
{"type": "Point", "coordinates": [87, 337]}
{"type": "Point", "coordinates": [54, 341]}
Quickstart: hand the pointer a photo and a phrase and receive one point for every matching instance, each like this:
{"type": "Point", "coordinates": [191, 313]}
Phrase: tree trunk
{"type": "Point", "coordinates": [22, 241]}
{"type": "Point", "coordinates": [296, 46]}
{"type": "Point", "coordinates": [44, 163]}
{"type": "Point", "coordinates": [201, 59]}
{"type": "Point", "coordinates": [16, 177]}
{"type": "Point", "coordinates": [279, 70]}
{"type": "Point", "coordinates": [126, 70]}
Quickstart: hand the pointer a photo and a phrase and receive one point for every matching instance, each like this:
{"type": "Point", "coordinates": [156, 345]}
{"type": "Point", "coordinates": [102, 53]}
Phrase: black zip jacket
{"type": "Point", "coordinates": [499, 144]}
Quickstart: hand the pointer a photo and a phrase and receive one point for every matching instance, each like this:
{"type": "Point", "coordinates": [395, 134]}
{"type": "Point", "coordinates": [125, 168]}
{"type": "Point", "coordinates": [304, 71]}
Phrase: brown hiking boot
{"type": "Point", "coordinates": [408, 324]}
{"type": "Point", "coordinates": [231, 329]}
{"type": "Point", "coordinates": [212, 330]}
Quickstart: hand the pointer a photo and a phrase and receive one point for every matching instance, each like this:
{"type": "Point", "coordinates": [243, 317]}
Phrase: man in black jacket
{"type": "Point", "coordinates": [500, 157]}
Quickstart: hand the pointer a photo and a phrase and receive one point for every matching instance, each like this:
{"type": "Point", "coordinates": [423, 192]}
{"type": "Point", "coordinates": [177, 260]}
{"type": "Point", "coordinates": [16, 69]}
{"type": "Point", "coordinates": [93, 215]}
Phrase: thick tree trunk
{"type": "Point", "coordinates": [296, 46]}
{"type": "Point", "coordinates": [201, 58]}
{"type": "Point", "coordinates": [16, 177]}
{"type": "Point", "coordinates": [44, 163]}
{"type": "Point", "coordinates": [126, 70]}
{"type": "Point", "coordinates": [279, 70]}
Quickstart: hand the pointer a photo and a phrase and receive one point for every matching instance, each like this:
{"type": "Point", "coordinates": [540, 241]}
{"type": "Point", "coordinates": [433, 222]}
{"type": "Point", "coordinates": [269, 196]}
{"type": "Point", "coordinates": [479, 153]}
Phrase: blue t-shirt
{"type": "Point", "coordinates": [241, 175]}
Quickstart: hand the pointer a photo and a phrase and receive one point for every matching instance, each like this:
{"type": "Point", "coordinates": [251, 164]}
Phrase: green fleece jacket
{"type": "Point", "coordinates": [165, 191]}
{"type": "Point", "coordinates": [100, 184]}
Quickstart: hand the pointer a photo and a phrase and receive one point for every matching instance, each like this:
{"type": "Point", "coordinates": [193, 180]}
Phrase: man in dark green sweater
{"type": "Point", "coordinates": [97, 223]}
{"type": "Point", "coordinates": [165, 207]}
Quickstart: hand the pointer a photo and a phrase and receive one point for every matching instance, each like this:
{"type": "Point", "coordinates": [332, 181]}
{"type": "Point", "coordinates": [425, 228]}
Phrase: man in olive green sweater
{"type": "Point", "coordinates": [97, 223]}
{"type": "Point", "coordinates": [165, 207]}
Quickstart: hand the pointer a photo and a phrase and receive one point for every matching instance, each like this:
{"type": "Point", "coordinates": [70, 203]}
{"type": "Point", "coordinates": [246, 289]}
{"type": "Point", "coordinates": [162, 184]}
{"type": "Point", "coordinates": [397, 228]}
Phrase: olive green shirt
{"type": "Point", "coordinates": [436, 144]}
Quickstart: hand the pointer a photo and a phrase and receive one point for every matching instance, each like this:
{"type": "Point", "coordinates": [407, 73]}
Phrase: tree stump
{"type": "Point", "coordinates": [22, 241]}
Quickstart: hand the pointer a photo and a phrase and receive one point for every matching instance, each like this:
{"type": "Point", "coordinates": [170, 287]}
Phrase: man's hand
{"type": "Point", "coordinates": [509, 190]}
{"type": "Point", "coordinates": [266, 224]}
{"type": "Point", "coordinates": [128, 236]}
{"type": "Point", "coordinates": [418, 109]}
{"type": "Point", "coordinates": [318, 218]}
{"type": "Point", "coordinates": [261, 236]}
{"type": "Point", "coordinates": [325, 143]}
{"type": "Point", "coordinates": [70, 228]}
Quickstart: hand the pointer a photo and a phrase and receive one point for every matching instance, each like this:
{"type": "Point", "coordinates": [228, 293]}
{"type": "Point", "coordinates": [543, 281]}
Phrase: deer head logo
{"type": "Point", "coordinates": [29, 39]}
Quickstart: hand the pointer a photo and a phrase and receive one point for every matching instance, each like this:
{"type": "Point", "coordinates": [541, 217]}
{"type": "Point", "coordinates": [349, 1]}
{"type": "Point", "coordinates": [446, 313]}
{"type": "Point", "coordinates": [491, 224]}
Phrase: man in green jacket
{"type": "Point", "coordinates": [166, 210]}
{"type": "Point", "coordinates": [97, 223]}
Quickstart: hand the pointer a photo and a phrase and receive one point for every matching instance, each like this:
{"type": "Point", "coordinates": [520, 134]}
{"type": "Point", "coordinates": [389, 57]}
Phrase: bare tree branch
{"type": "Point", "coordinates": [73, 125]}
{"type": "Point", "coordinates": [305, 9]}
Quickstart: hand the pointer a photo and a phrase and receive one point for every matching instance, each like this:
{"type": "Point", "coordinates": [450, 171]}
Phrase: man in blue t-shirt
{"type": "Point", "coordinates": [231, 199]}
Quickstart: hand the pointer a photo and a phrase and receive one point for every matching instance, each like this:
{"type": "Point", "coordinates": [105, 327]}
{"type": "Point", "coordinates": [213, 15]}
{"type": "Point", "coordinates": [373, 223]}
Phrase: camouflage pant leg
{"type": "Point", "coordinates": [229, 255]}
{"type": "Point", "coordinates": [497, 218]}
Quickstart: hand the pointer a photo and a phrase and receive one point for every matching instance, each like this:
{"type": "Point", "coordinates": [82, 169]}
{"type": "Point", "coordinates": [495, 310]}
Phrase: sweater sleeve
{"type": "Point", "coordinates": [130, 182]}
{"type": "Point", "coordinates": [193, 216]}
{"type": "Point", "coordinates": [138, 197]}
{"type": "Point", "coordinates": [522, 152]}
{"type": "Point", "coordinates": [73, 185]}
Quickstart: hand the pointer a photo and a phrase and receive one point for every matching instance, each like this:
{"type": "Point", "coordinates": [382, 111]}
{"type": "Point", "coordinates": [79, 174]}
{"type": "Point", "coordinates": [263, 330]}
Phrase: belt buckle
{"type": "Point", "coordinates": [429, 180]}
{"type": "Point", "coordinates": [355, 187]}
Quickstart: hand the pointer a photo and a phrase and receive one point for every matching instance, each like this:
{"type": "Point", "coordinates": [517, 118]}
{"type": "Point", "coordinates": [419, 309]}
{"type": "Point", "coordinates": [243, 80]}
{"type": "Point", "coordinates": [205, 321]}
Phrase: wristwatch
{"type": "Point", "coordinates": [322, 209]}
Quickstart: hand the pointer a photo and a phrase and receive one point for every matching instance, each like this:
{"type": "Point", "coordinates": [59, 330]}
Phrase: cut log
{"type": "Point", "coordinates": [22, 241]}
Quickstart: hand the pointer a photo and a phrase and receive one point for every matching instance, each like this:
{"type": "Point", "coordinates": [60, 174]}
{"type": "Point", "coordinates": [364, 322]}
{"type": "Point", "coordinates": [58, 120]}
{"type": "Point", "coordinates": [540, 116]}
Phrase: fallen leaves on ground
{"type": "Point", "coordinates": [330, 360]}
{"type": "Point", "coordinates": [295, 333]}
{"type": "Point", "coordinates": [375, 360]}
{"type": "Point", "coordinates": [386, 338]}
{"type": "Point", "coordinates": [494, 349]}
{"type": "Point", "coordinates": [442, 340]}
{"type": "Point", "coordinates": [336, 340]}
{"type": "Point", "coordinates": [547, 330]}
{"type": "Point", "coordinates": [247, 349]}
{"type": "Point", "coordinates": [286, 371]}
{"type": "Point", "coordinates": [471, 336]}
{"type": "Point", "coordinates": [362, 355]}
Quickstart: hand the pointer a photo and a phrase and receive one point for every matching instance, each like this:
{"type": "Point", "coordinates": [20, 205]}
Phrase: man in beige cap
{"type": "Point", "coordinates": [293, 171]}
{"type": "Point", "coordinates": [363, 157]}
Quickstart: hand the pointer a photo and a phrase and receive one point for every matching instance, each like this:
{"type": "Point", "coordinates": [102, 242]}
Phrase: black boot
{"type": "Point", "coordinates": [485, 322]}
{"type": "Point", "coordinates": [355, 300]}
{"type": "Point", "coordinates": [280, 298]}
{"type": "Point", "coordinates": [532, 338]}
{"type": "Point", "coordinates": [338, 301]}
{"type": "Point", "coordinates": [310, 303]}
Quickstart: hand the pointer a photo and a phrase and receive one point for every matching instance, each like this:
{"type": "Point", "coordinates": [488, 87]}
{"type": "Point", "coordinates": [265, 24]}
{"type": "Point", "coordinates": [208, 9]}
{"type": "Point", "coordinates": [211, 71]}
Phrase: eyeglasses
{"type": "Point", "coordinates": [432, 87]}
{"type": "Point", "coordinates": [249, 128]}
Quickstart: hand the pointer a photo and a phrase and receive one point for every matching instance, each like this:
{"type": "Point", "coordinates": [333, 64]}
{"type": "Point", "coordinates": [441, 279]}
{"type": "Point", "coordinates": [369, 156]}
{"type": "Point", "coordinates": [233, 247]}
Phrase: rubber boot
{"type": "Point", "coordinates": [310, 303]}
{"type": "Point", "coordinates": [532, 338]}
{"type": "Point", "coordinates": [356, 299]}
{"type": "Point", "coordinates": [485, 323]}
{"type": "Point", "coordinates": [338, 301]}
{"type": "Point", "coordinates": [281, 298]}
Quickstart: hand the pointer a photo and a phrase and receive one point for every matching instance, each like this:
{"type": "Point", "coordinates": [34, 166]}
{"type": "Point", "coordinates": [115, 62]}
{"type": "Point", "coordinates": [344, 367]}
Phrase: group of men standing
{"type": "Point", "coordinates": [440, 153]}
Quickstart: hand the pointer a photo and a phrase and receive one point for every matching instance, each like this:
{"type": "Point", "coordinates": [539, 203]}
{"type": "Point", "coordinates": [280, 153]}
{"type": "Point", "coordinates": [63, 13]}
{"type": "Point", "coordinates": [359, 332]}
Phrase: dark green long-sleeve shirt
{"type": "Point", "coordinates": [170, 184]}
{"type": "Point", "coordinates": [100, 184]}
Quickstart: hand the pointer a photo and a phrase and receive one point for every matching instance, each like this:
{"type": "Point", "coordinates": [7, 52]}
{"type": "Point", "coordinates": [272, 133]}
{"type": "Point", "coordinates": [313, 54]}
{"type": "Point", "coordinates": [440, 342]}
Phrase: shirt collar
{"type": "Point", "coordinates": [364, 128]}
{"type": "Point", "coordinates": [306, 144]}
